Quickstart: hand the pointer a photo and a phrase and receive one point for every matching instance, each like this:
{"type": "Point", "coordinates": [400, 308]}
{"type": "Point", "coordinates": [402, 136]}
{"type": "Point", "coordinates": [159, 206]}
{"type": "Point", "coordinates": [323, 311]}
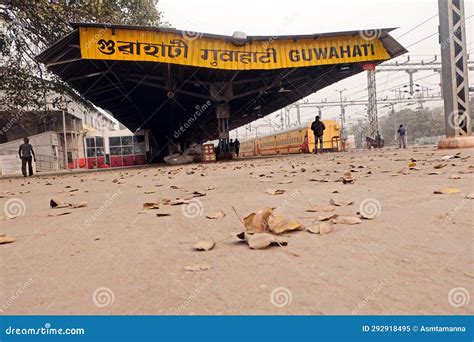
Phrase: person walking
{"type": "Point", "coordinates": [27, 154]}
{"type": "Point", "coordinates": [237, 147]}
{"type": "Point", "coordinates": [378, 140]}
{"type": "Point", "coordinates": [318, 129]}
{"type": "Point", "coordinates": [402, 138]}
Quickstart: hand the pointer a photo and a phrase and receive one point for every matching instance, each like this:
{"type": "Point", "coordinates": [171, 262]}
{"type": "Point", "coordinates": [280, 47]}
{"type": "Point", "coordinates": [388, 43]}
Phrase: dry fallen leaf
{"type": "Point", "coordinates": [216, 215]}
{"type": "Point", "coordinates": [204, 245]}
{"type": "Point", "coordinates": [279, 225]}
{"type": "Point", "coordinates": [440, 166]}
{"type": "Point", "coordinates": [285, 182]}
{"type": "Point", "coordinates": [339, 203]}
{"type": "Point", "coordinates": [177, 202]}
{"type": "Point", "coordinates": [258, 222]}
{"type": "Point", "coordinates": [455, 177]}
{"type": "Point", "coordinates": [368, 216]}
{"type": "Point", "coordinates": [264, 240]}
{"type": "Point", "coordinates": [150, 205]}
{"type": "Point", "coordinates": [318, 209]}
{"type": "Point", "coordinates": [347, 178]}
{"type": "Point", "coordinates": [162, 214]}
{"type": "Point", "coordinates": [432, 173]}
{"type": "Point", "coordinates": [327, 217]}
{"type": "Point", "coordinates": [348, 220]}
{"type": "Point", "coordinates": [321, 228]}
{"type": "Point", "coordinates": [79, 205]}
{"type": "Point", "coordinates": [60, 214]}
{"type": "Point", "coordinates": [196, 268]}
{"type": "Point", "coordinates": [55, 203]}
{"type": "Point", "coordinates": [447, 191]}
{"type": "Point", "coordinates": [4, 238]}
{"type": "Point", "coordinates": [198, 194]}
{"type": "Point", "coordinates": [275, 191]}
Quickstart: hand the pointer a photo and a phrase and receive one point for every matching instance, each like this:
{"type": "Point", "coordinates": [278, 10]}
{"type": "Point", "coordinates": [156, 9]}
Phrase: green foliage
{"type": "Point", "coordinates": [418, 123]}
{"type": "Point", "coordinates": [32, 26]}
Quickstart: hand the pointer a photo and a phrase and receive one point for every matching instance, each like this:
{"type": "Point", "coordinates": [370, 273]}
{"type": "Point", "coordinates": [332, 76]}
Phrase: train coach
{"type": "Point", "coordinates": [294, 140]}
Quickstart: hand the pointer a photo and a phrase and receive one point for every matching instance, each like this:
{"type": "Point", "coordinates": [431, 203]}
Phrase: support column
{"type": "Point", "coordinates": [222, 94]}
{"type": "Point", "coordinates": [298, 114]}
{"type": "Point", "coordinates": [372, 100]}
{"type": "Point", "coordinates": [452, 39]}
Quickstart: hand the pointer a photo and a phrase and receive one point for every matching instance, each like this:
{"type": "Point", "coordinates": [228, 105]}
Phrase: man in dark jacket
{"type": "Point", "coordinates": [402, 138]}
{"type": "Point", "coordinates": [26, 154]}
{"type": "Point", "coordinates": [318, 129]}
{"type": "Point", "coordinates": [237, 147]}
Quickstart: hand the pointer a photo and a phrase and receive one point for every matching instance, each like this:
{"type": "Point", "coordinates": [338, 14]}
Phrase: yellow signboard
{"type": "Point", "coordinates": [164, 47]}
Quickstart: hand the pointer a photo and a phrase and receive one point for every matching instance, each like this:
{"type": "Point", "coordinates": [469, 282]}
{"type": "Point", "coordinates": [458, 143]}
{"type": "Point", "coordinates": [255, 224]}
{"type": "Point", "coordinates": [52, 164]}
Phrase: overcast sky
{"type": "Point", "coordinates": [278, 17]}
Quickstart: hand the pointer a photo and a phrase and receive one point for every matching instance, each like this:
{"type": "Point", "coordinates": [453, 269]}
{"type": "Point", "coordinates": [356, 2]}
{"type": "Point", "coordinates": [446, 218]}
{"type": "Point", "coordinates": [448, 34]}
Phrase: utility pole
{"type": "Point", "coordinates": [298, 116]}
{"type": "Point", "coordinates": [320, 112]}
{"type": "Point", "coordinates": [372, 99]}
{"type": "Point", "coordinates": [343, 111]}
{"type": "Point", "coordinates": [410, 75]}
{"type": "Point", "coordinates": [288, 119]}
{"type": "Point", "coordinates": [452, 39]}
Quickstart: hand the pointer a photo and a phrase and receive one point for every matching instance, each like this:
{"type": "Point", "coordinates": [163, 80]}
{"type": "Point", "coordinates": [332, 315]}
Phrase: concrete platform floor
{"type": "Point", "coordinates": [111, 257]}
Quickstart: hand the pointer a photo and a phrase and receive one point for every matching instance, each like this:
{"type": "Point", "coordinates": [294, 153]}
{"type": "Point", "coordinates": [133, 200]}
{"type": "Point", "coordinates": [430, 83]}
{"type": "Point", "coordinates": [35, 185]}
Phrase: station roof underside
{"type": "Point", "coordinates": [160, 79]}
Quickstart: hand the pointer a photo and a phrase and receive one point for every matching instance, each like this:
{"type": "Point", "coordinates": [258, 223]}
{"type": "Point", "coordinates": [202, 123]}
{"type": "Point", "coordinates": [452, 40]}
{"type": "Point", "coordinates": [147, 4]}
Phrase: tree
{"type": "Point", "coordinates": [31, 26]}
{"type": "Point", "coordinates": [422, 122]}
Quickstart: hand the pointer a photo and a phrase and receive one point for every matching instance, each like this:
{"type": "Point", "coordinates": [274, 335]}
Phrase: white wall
{"type": "Point", "coordinates": [10, 165]}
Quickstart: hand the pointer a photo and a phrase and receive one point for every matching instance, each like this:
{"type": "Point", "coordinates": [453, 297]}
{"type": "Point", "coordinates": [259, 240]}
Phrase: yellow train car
{"type": "Point", "coordinates": [247, 148]}
{"type": "Point", "coordinates": [294, 140]}
{"type": "Point", "coordinates": [331, 136]}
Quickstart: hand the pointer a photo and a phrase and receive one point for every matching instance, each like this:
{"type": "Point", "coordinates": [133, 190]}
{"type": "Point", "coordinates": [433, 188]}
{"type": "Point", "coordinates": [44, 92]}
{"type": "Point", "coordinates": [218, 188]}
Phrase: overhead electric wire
{"type": "Point", "coordinates": [417, 26]}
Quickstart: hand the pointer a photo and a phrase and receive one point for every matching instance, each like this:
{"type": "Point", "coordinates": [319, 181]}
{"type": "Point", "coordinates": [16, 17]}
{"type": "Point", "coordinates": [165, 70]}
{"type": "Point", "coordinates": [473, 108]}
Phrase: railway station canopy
{"type": "Point", "coordinates": [193, 87]}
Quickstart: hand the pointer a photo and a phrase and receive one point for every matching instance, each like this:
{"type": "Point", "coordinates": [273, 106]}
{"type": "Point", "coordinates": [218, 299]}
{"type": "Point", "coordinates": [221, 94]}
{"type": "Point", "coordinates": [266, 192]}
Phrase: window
{"type": "Point", "coordinates": [95, 147]}
{"type": "Point", "coordinates": [91, 153]}
{"type": "Point", "coordinates": [115, 151]}
{"type": "Point", "coordinates": [114, 141]}
{"type": "Point", "coordinates": [99, 142]}
{"type": "Point", "coordinates": [90, 142]}
{"type": "Point", "coordinates": [127, 145]}
{"type": "Point", "coordinates": [126, 141]}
